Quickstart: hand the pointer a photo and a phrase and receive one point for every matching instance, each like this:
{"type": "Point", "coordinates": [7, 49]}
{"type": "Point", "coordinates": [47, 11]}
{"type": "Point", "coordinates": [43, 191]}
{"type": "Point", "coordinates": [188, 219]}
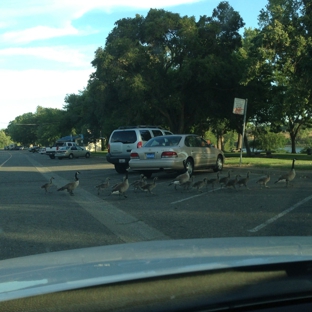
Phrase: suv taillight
{"type": "Point", "coordinates": [140, 144]}
{"type": "Point", "coordinates": [168, 154]}
{"type": "Point", "coordinates": [134, 156]}
{"type": "Point", "coordinates": [108, 148]}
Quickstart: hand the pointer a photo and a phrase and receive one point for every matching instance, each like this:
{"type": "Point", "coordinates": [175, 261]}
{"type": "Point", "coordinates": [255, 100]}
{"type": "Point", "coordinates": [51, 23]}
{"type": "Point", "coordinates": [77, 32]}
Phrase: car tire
{"type": "Point", "coordinates": [121, 168]}
{"type": "Point", "coordinates": [219, 164]}
{"type": "Point", "coordinates": [52, 156]}
{"type": "Point", "coordinates": [148, 174]}
{"type": "Point", "coordinates": [189, 165]}
{"type": "Point", "coordinates": [71, 156]}
{"type": "Point", "coordinates": [60, 157]}
{"type": "Point", "coordinates": [88, 155]}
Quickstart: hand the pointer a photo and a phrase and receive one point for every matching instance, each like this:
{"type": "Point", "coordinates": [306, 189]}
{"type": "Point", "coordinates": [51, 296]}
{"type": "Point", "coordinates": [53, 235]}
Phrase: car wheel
{"type": "Point", "coordinates": [219, 164]}
{"type": "Point", "coordinates": [52, 156]}
{"type": "Point", "coordinates": [189, 165]}
{"type": "Point", "coordinates": [71, 156]}
{"type": "Point", "coordinates": [148, 174]}
{"type": "Point", "coordinates": [59, 157]}
{"type": "Point", "coordinates": [87, 155]}
{"type": "Point", "coordinates": [121, 168]}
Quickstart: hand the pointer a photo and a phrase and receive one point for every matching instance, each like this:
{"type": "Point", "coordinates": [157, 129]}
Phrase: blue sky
{"type": "Point", "coordinates": [46, 46]}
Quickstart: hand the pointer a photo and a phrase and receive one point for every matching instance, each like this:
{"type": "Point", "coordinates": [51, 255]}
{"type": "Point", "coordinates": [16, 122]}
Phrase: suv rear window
{"type": "Point", "coordinates": [127, 136]}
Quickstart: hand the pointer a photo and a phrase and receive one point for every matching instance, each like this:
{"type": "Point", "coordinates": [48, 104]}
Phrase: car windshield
{"type": "Point", "coordinates": [163, 140]}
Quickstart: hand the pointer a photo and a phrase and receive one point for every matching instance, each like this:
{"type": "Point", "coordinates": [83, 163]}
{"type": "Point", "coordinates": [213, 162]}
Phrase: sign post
{"type": "Point", "coordinates": [240, 108]}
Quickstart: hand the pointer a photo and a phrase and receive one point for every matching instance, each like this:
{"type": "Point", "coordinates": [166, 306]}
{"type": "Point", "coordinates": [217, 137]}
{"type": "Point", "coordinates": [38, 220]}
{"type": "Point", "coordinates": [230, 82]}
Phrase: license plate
{"type": "Point", "coordinates": [122, 160]}
{"type": "Point", "coordinates": [150, 155]}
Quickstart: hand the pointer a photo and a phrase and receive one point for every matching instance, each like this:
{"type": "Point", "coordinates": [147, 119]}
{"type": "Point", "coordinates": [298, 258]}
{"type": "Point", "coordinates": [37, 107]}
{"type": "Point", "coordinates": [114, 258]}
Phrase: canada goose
{"type": "Point", "coordinates": [121, 188]}
{"type": "Point", "coordinates": [188, 184]}
{"type": "Point", "coordinates": [213, 181]}
{"type": "Point", "coordinates": [287, 177]}
{"type": "Point", "coordinates": [47, 185]}
{"type": "Point", "coordinates": [223, 181]}
{"type": "Point", "coordinates": [149, 186]}
{"type": "Point", "coordinates": [200, 184]}
{"type": "Point", "coordinates": [180, 179]}
{"type": "Point", "coordinates": [244, 181]}
{"type": "Point", "coordinates": [103, 185]}
{"type": "Point", "coordinates": [264, 180]}
{"type": "Point", "coordinates": [233, 182]}
{"type": "Point", "coordinates": [71, 186]}
{"type": "Point", "coordinates": [139, 183]}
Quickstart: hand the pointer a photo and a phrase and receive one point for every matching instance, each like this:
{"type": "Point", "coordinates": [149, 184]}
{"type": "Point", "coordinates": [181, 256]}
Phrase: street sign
{"type": "Point", "coordinates": [239, 106]}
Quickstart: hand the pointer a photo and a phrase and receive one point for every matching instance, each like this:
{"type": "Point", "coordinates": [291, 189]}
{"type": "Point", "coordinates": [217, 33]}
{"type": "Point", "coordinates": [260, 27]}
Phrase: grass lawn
{"type": "Point", "coordinates": [277, 161]}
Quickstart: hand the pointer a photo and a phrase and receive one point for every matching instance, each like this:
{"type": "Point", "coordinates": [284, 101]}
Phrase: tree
{"type": "Point", "coordinates": [285, 44]}
{"type": "Point", "coordinates": [169, 70]}
{"type": "Point", "coordinates": [23, 129]}
{"type": "Point", "coordinates": [5, 140]}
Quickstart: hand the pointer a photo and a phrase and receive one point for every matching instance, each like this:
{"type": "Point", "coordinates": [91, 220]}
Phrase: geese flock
{"type": "Point", "coordinates": [183, 180]}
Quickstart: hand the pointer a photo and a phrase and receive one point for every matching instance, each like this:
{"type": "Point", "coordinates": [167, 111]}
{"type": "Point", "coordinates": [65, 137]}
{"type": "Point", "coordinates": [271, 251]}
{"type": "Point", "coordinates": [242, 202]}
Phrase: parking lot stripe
{"type": "Point", "coordinates": [283, 213]}
{"type": "Point", "coordinates": [123, 225]}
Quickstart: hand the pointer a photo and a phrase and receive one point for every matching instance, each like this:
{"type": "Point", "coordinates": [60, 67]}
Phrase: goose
{"type": "Point", "coordinates": [103, 185]}
{"type": "Point", "coordinates": [213, 181]}
{"type": "Point", "coordinates": [139, 183]}
{"type": "Point", "coordinates": [188, 184]}
{"type": "Point", "coordinates": [182, 178]}
{"type": "Point", "coordinates": [47, 185]}
{"type": "Point", "coordinates": [264, 180]}
{"type": "Point", "coordinates": [287, 177]}
{"type": "Point", "coordinates": [244, 181]}
{"type": "Point", "coordinates": [223, 181]}
{"type": "Point", "coordinates": [233, 182]}
{"type": "Point", "coordinates": [121, 188]}
{"type": "Point", "coordinates": [149, 186]}
{"type": "Point", "coordinates": [71, 186]}
{"type": "Point", "coordinates": [200, 184]}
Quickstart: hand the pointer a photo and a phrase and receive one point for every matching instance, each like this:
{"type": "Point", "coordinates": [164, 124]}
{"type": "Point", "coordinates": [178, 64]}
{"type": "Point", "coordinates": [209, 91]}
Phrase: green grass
{"type": "Point", "coordinates": [278, 161]}
{"type": "Point", "coordinates": [99, 153]}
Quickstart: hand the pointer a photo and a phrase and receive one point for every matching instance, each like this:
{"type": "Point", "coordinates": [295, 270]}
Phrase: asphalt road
{"type": "Point", "coordinates": [32, 221]}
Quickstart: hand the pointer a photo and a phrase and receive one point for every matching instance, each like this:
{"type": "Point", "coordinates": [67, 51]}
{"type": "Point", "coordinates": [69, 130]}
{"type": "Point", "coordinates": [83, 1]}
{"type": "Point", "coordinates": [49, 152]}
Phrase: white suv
{"type": "Point", "coordinates": [124, 139]}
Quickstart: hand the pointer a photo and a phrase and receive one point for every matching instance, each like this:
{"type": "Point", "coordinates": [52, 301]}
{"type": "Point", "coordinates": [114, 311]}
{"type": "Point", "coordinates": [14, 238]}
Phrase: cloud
{"type": "Point", "coordinates": [23, 91]}
{"type": "Point", "coordinates": [71, 56]}
{"type": "Point", "coordinates": [53, 18]}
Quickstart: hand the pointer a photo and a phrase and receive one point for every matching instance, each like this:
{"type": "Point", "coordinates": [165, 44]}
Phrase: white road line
{"type": "Point", "coordinates": [283, 213]}
{"type": "Point", "coordinates": [127, 227]}
{"type": "Point", "coordinates": [6, 160]}
{"type": "Point", "coordinates": [194, 196]}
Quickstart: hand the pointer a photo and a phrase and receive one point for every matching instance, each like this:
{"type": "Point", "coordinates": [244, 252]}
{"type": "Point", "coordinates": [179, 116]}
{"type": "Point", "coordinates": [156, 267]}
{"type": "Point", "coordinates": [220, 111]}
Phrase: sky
{"type": "Point", "coordinates": [46, 46]}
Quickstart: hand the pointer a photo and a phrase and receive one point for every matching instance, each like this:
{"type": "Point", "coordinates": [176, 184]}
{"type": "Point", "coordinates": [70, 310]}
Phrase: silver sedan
{"type": "Point", "coordinates": [72, 152]}
{"type": "Point", "coordinates": [176, 153]}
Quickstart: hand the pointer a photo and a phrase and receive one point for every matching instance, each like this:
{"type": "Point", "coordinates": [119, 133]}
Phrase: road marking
{"type": "Point", "coordinates": [6, 160]}
{"type": "Point", "coordinates": [283, 213]}
{"type": "Point", "coordinates": [128, 228]}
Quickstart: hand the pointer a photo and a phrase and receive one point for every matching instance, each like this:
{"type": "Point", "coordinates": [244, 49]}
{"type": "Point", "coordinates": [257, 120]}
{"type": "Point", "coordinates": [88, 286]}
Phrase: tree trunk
{"type": "Point", "coordinates": [293, 142]}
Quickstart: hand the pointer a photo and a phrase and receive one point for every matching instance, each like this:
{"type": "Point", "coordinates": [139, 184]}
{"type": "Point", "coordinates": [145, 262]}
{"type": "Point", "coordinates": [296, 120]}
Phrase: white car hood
{"type": "Point", "coordinates": [66, 270]}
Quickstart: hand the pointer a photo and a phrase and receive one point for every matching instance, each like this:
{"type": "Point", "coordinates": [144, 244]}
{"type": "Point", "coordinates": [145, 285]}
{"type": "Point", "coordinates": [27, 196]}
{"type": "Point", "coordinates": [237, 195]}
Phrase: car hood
{"type": "Point", "coordinates": [72, 269]}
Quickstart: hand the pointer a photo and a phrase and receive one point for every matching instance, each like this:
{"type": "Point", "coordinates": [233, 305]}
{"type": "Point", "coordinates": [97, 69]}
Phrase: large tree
{"type": "Point", "coordinates": [285, 43]}
{"type": "Point", "coordinates": [169, 70]}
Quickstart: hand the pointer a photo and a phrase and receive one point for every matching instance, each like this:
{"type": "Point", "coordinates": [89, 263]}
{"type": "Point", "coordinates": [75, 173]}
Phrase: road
{"type": "Point", "coordinates": [33, 222]}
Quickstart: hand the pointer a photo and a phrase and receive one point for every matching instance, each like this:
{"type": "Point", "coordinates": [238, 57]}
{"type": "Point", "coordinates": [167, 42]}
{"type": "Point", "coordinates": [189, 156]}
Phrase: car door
{"type": "Point", "coordinates": [207, 153]}
{"type": "Point", "coordinates": [194, 150]}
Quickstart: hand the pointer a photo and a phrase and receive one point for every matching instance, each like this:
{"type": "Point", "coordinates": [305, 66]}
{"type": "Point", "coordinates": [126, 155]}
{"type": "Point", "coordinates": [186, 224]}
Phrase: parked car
{"type": "Point", "coordinates": [72, 152]}
{"type": "Point", "coordinates": [167, 153]}
{"type": "Point", "coordinates": [34, 149]}
{"type": "Point", "coordinates": [124, 139]}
